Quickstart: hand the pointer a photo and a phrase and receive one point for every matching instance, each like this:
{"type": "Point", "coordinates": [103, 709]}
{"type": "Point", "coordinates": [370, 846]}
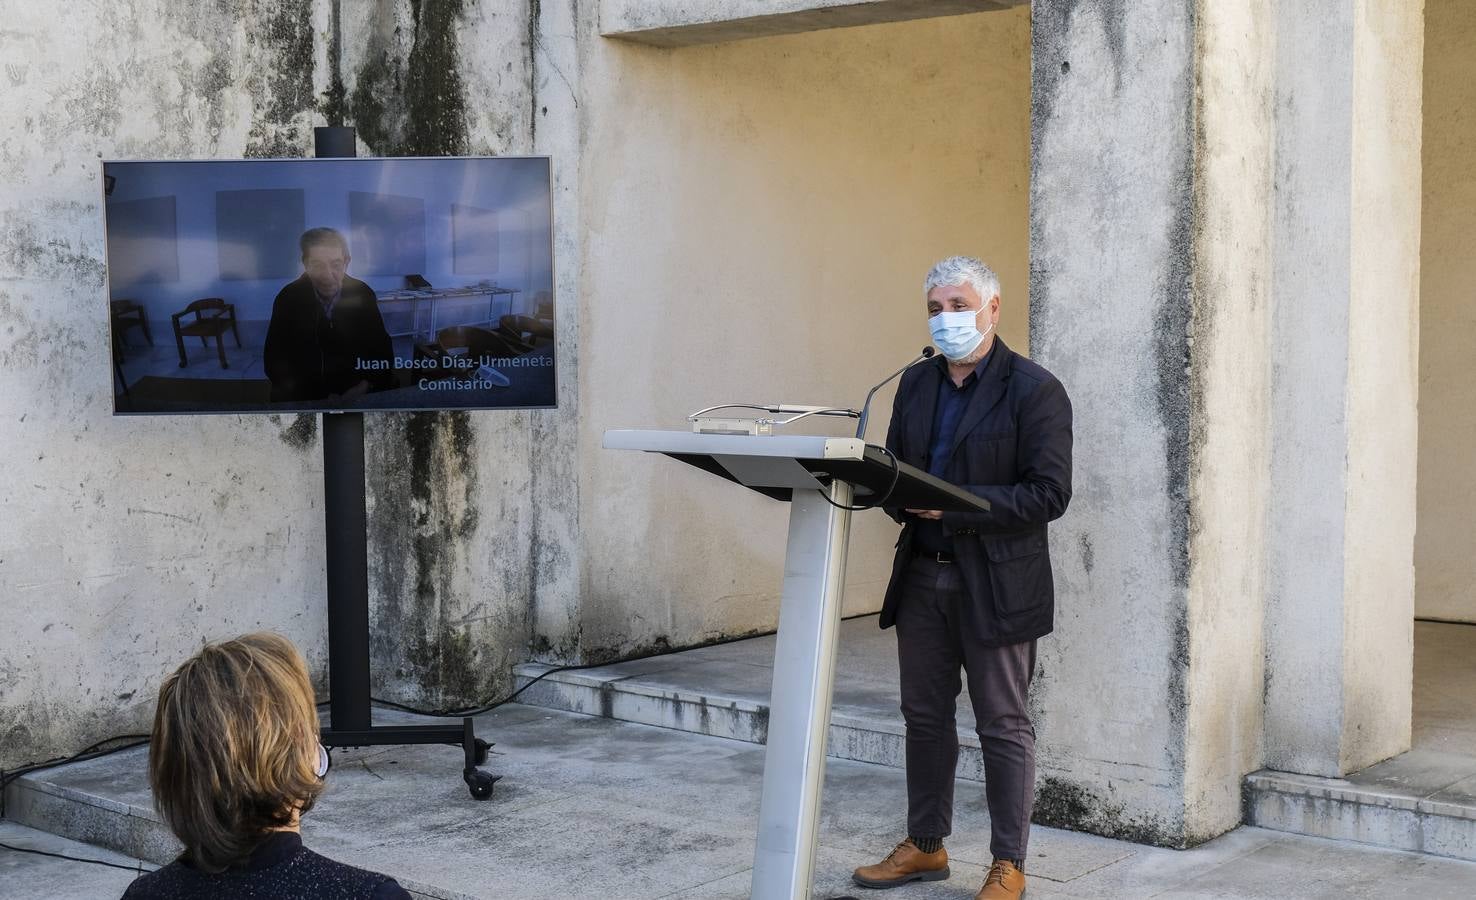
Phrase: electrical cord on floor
{"type": "Point", "coordinates": [137, 869]}
{"type": "Point", "coordinates": [478, 710]}
{"type": "Point", "coordinates": [89, 752]}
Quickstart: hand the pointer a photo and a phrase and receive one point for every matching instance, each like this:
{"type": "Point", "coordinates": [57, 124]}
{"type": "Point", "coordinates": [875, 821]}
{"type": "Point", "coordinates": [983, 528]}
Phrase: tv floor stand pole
{"type": "Point", "coordinates": [347, 548]}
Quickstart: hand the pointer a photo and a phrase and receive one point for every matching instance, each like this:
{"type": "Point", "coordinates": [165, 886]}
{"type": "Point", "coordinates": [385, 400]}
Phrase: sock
{"type": "Point", "coordinates": [927, 845]}
{"type": "Point", "coordinates": [1017, 863]}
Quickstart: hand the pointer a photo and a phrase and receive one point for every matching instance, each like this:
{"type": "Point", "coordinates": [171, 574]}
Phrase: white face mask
{"type": "Point", "coordinates": [957, 333]}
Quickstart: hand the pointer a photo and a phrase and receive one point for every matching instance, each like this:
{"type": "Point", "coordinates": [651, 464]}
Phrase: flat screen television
{"type": "Point", "coordinates": [327, 285]}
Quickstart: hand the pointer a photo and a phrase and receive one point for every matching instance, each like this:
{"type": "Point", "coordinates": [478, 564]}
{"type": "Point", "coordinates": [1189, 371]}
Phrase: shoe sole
{"type": "Point", "coordinates": [935, 875]}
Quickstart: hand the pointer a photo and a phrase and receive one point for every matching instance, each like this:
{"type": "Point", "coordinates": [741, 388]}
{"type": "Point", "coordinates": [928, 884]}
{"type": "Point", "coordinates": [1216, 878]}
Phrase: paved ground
{"type": "Point", "coordinates": [596, 808]}
{"type": "Point", "coordinates": [28, 875]}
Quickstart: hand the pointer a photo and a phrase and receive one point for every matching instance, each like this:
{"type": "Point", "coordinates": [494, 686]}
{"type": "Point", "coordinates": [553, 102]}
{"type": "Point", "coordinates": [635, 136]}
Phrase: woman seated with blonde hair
{"type": "Point", "coordinates": [234, 763]}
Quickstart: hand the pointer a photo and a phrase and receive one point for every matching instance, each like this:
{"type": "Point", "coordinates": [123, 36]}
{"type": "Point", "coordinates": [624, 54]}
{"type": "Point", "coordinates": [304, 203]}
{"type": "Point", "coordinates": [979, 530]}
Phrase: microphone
{"type": "Point", "coordinates": [926, 353]}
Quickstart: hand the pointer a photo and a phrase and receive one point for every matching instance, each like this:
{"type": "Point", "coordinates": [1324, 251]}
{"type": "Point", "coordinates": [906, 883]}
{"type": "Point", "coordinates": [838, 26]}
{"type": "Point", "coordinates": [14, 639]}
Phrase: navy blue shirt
{"type": "Point", "coordinates": [928, 536]}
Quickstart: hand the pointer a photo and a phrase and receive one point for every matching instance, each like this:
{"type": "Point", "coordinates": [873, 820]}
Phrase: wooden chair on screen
{"type": "Point", "coordinates": [128, 314]}
{"type": "Point", "coordinates": [531, 331]}
{"type": "Point", "coordinates": [213, 318]}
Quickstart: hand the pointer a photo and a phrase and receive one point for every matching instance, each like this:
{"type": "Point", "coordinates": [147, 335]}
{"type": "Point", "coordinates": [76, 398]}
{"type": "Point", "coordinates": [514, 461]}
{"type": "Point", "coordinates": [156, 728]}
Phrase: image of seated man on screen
{"type": "Point", "coordinates": [326, 339]}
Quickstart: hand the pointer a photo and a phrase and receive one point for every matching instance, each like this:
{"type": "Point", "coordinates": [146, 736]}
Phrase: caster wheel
{"type": "Point", "coordinates": [482, 747]}
{"type": "Point", "coordinates": [480, 783]}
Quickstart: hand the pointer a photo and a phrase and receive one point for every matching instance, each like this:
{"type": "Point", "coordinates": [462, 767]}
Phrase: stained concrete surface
{"type": "Point", "coordinates": [591, 807]}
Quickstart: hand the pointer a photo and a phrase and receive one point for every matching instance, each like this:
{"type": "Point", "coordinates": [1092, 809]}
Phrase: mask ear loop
{"type": "Point", "coordinates": [325, 762]}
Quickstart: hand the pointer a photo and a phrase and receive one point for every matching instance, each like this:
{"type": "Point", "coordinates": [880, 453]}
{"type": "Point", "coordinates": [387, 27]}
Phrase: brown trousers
{"type": "Point", "coordinates": [931, 653]}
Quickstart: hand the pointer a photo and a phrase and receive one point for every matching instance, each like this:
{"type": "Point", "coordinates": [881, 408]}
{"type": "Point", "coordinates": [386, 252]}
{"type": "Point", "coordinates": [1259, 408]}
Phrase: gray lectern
{"type": "Point", "coordinates": [803, 470]}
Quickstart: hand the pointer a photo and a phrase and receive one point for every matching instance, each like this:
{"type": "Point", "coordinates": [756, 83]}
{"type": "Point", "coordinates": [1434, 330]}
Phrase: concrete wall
{"type": "Point", "coordinates": [470, 512]}
{"type": "Point", "coordinates": [1383, 382]}
{"type": "Point", "coordinates": [864, 154]}
{"type": "Point", "coordinates": [1445, 538]}
{"type": "Point", "coordinates": [1112, 249]}
{"type": "Point", "coordinates": [1342, 514]}
{"type": "Point", "coordinates": [759, 218]}
{"type": "Point", "coordinates": [126, 542]}
{"type": "Point", "coordinates": [1230, 395]}
{"type": "Point", "coordinates": [682, 23]}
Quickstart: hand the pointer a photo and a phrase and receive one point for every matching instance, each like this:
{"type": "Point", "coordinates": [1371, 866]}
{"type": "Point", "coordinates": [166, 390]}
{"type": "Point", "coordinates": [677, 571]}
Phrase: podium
{"type": "Point", "coordinates": [819, 477]}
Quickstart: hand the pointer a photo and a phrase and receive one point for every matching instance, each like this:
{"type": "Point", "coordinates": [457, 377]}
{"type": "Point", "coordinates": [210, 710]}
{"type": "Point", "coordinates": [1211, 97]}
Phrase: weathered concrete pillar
{"type": "Point", "coordinates": [1150, 259]}
{"type": "Point", "coordinates": [1342, 515]}
{"type": "Point", "coordinates": [1224, 228]}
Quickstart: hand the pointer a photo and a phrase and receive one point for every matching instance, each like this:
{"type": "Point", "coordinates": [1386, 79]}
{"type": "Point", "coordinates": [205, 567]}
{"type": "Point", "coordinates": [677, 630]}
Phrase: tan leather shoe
{"type": "Point", "coordinates": [905, 863]}
{"type": "Point", "coordinates": [1005, 882]}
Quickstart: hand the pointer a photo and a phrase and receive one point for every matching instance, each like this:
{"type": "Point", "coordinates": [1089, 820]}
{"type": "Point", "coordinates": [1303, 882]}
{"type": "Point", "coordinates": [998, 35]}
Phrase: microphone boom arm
{"type": "Point", "coordinates": [927, 353]}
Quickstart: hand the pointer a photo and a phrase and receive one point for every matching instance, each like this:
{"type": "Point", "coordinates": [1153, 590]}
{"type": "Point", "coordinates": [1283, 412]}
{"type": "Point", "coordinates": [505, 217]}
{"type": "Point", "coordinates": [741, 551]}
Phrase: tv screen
{"type": "Point", "coordinates": [329, 285]}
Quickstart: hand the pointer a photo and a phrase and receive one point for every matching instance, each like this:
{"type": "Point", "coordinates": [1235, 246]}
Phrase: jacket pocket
{"type": "Point", "coordinates": [1019, 572]}
{"type": "Point", "coordinates": [1009, 547]}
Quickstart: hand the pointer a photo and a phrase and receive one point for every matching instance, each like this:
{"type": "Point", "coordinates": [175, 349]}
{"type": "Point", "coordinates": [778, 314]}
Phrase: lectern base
{"type": "Point", "coordinates": [799, 701]}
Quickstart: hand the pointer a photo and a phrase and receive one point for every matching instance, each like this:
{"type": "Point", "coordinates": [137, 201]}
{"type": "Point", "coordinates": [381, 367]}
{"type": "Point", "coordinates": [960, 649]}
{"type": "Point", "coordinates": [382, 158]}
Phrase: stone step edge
{"type": "Point", "coordinates": [134, 831]}
{"type": "Point", "coordinates": [1336, 809]}
{"type": "Point", "coordinates": [625, 698]}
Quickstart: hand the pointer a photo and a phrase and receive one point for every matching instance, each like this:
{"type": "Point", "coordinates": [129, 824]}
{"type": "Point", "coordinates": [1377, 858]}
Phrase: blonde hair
{"type": "Point", "coordinates": [230, 758]}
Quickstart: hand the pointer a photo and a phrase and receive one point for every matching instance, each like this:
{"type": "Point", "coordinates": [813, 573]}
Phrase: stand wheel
{"type": "Point", "coordinates": [481, 751]}
{"type": "Point", "coordinates": [480, 783]}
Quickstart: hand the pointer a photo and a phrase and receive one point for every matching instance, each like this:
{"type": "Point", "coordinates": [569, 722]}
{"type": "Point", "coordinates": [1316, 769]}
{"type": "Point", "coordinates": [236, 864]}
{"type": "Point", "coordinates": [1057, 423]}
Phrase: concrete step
{"type": "Point", "coordinates": [1422, 801]}
{"type": "Point", "coordinates": [89, 807]}
{"type": "Point", "coordinates": [723, 691]}
{"type": "Point", "coordinates": [32, 874]}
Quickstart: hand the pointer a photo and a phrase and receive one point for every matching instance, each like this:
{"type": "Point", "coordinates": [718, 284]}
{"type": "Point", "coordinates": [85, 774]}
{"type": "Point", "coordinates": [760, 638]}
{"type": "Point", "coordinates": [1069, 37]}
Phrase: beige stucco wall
{"type": "Point", "coordinates": [759, 219]}
{"type": "Point", "coordinates": [1445, 539]}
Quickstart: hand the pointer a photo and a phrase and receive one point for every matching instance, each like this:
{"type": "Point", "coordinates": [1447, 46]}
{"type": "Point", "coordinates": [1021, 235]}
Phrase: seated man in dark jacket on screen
{"type": "Point", "coordinates": [327, 340]}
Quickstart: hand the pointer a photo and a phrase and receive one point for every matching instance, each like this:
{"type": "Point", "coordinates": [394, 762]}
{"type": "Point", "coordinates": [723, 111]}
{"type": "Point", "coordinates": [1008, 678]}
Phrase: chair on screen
{"type": "Point", "coordinates": [129, 314]}
{"type": "Point", "coordinates": [213, 318]}
{"type": "Point", "coordinates": [531, 331]}
{"type": "Point", "coordinates": [465, 340]}
{"type": "Point", "coordinates": [470, 339]}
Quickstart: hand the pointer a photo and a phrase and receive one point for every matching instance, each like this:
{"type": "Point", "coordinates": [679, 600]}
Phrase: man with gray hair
{"type": "Point", "coordinates": [973, 591]}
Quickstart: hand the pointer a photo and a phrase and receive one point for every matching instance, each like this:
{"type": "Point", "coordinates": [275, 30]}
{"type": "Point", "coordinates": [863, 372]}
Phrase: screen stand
{"type": "Point", "coordinates": [347, 548]}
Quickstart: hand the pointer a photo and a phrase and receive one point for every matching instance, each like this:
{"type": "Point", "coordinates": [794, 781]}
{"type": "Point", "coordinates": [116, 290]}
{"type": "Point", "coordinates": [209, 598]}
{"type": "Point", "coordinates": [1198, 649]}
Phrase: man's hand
{"type": "Point", "coordinates": [926, 513]}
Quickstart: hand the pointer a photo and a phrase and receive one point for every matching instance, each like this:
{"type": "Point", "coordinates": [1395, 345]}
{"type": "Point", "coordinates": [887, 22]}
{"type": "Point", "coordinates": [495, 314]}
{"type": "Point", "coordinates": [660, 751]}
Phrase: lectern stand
{"type": "Point", "coordinates": [803, 470]}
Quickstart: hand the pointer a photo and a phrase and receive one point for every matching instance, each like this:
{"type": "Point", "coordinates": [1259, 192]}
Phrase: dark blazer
{"type": "Point", "coordinates": [308, 356]}
{"type": "Point", "coordinates": [1013, 448]}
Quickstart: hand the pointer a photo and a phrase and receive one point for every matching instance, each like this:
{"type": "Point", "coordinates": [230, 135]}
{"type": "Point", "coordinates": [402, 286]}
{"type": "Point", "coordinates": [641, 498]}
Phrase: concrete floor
{"type": "Point", "coordinates": [25, 875]}
{"type": "Point", "coordinates": [592, 807]}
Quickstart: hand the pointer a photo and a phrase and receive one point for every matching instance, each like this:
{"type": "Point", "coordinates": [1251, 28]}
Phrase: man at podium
{"type": "Point", "coordinates": [972, 591]}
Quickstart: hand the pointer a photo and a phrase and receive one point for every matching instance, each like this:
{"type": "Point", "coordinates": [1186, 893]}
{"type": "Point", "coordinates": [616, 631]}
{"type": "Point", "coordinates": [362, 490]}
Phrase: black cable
{"type": "Point", "coordinates": [478, 710]}
{"type": "Point", "coordinates": [896, 476]}
{"type": "Point", "coordinates": [8, 776]}
{"type": "Point", "coordinates": [138, 869]}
